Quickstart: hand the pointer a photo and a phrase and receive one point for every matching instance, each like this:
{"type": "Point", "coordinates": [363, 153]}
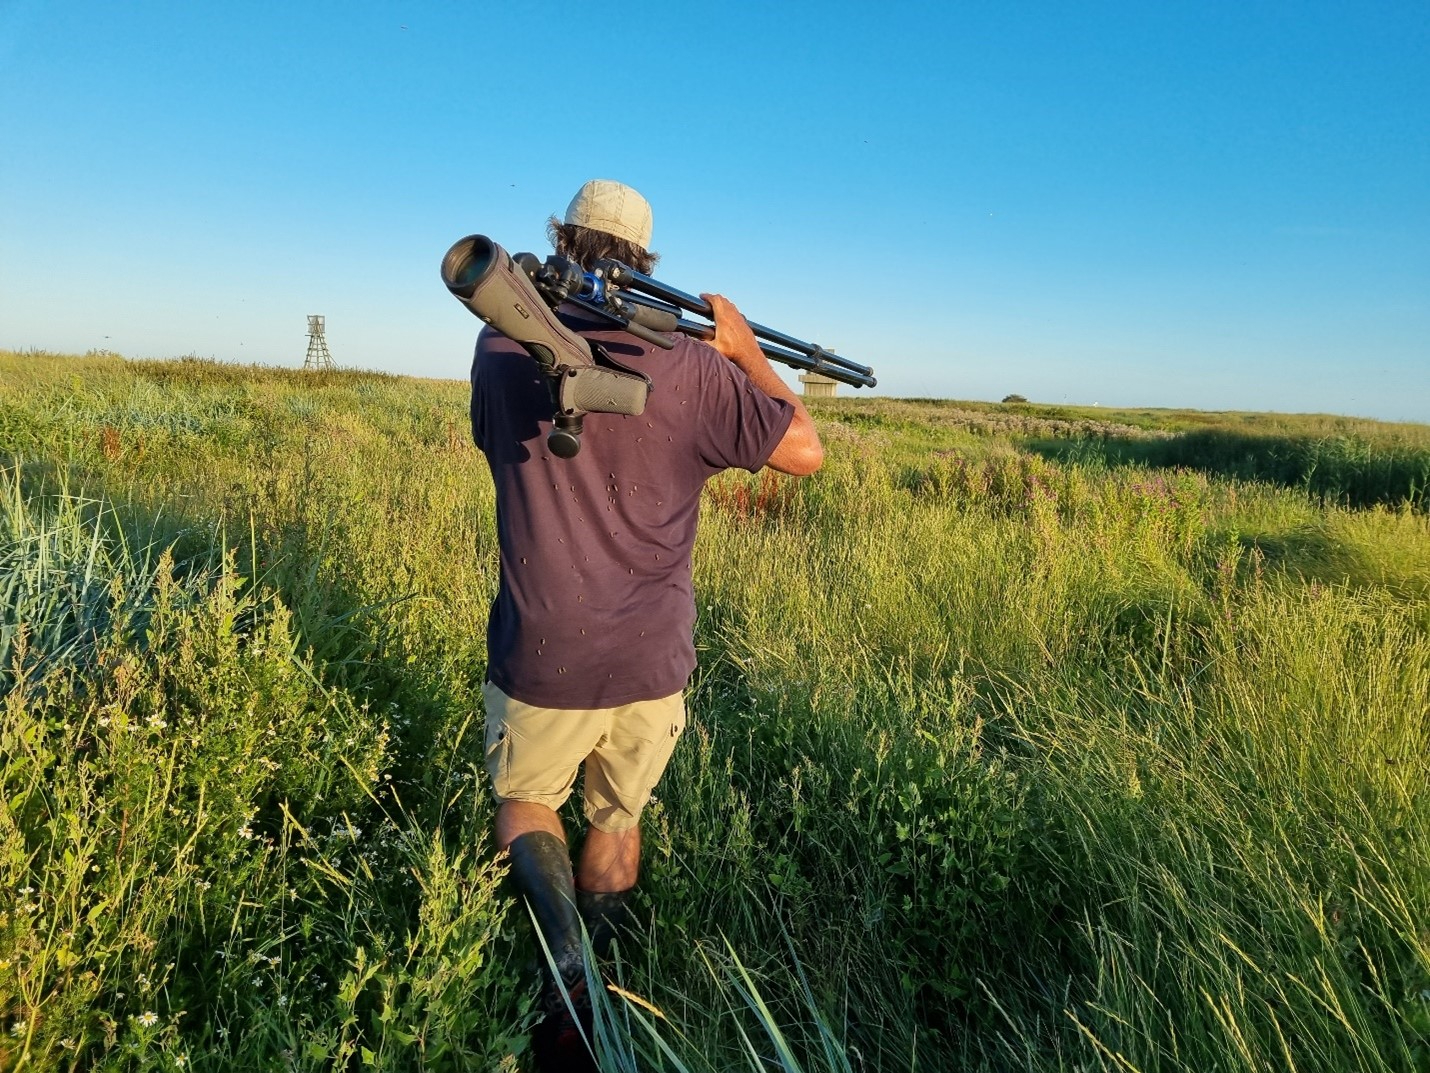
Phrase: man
{"type": "Point", "coordinates": [590, 638]}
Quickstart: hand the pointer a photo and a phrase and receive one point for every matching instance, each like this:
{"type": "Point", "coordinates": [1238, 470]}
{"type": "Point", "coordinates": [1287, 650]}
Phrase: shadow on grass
{"type": "Point", "coordinates": [298, 556]}
{"type": "Point", "coordinates": [1341, 470]}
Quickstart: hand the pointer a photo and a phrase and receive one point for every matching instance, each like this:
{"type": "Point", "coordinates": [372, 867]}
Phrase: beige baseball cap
{"type": "Point", "coordinates": [612, 207]}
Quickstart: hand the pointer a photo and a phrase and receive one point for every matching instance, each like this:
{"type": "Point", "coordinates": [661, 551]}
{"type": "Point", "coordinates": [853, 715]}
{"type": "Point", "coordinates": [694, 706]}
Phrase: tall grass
{"type": "Point", "coordinates": [996, 762]}
{"type": "Point", "coordinates": [1341, 468]}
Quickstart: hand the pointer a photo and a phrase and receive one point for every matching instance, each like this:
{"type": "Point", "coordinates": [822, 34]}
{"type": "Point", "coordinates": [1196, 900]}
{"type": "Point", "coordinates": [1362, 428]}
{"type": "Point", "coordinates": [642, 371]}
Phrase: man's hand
{"type": "Point", "coordinates": [733, 336]}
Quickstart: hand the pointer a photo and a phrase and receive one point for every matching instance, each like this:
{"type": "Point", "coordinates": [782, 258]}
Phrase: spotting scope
{"type": "Point", "coordinates": [518, 296]}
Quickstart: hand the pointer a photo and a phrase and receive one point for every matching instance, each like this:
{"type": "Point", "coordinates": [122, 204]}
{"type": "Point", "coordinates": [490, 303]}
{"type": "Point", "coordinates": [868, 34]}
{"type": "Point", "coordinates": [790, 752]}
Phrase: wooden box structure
{"type": "Point", "coordinates": [818, 386]}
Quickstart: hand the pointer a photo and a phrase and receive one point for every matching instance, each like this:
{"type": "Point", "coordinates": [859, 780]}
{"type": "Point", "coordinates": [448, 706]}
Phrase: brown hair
{"type": "Point", "coordinates": [587, 246]}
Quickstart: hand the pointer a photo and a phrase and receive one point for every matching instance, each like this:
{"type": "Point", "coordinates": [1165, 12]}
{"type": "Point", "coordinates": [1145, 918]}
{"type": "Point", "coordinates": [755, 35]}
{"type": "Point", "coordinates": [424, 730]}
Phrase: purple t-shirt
{"type": "Point", "coordinates": [595, 606]}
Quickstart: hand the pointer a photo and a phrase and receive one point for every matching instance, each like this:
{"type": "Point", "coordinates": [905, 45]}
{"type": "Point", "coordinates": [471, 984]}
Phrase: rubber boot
{"type": "Point", "coordinates": [541, 867]}
{"type": "Point", "coordinates": [607, 915]}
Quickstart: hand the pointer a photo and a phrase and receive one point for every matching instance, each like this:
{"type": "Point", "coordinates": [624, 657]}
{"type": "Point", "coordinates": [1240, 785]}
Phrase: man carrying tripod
{"type": "Point", "coordinates": [590, 641]}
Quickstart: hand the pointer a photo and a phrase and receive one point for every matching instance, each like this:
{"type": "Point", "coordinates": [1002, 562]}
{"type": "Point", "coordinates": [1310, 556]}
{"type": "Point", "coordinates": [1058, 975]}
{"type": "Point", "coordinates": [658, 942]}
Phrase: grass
{"type": "Point", "coordinates": [1012, 748]}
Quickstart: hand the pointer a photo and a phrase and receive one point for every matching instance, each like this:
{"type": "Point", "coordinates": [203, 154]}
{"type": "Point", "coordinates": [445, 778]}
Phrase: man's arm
{"type": "Point", "coordinates": [799, 453]}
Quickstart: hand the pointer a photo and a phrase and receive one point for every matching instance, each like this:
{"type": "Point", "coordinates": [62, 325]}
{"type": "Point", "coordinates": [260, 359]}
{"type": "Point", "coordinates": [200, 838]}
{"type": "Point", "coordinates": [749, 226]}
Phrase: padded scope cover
{"type": "Point", "coordinates": [481, 275]}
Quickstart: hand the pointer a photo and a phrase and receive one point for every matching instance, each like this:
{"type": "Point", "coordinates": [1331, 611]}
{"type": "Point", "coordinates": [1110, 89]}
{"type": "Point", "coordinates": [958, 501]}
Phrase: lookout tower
{"type": "Point", "coordinates": [318, 356]}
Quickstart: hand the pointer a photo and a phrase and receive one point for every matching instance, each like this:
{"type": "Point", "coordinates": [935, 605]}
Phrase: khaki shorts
{"type": "Point", "coordinates": [533, 753]}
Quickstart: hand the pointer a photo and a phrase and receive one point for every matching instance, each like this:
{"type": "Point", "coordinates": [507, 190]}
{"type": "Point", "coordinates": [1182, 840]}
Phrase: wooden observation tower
{"type": "Point", "coordinates": [318, 356]}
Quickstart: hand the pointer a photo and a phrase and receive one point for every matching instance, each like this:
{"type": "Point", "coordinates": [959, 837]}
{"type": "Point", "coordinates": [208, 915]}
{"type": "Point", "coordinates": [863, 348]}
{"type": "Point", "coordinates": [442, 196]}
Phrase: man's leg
{"type": "Point", "coordinates": [541, 867]}
{"type": "Point", "coordinates": [517, 818]}
{"type": "Point", "coordinates": [620, 774]}
{"type": "Point", "coordinates": [535, 752]}
{"type": "Point", "coordinates": [610, 861]}
{"type": "Point", "coordinates": [610, 866]}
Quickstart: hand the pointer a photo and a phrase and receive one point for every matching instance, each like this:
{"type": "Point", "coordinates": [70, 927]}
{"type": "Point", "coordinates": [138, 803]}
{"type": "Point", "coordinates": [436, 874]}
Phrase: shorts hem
{"type": "Point", "coordinates": [617, 825]}
{"type": "Point", "coordinates": [533, 799]}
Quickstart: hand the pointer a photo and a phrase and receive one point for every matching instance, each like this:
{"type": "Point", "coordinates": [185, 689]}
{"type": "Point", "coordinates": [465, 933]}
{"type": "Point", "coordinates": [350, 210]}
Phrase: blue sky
{"type": "Point", "coordinates": [1224, 206]}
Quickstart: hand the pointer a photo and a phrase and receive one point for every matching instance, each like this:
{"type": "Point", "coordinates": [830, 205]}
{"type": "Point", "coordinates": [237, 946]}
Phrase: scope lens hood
{"type": "Point", "coordinates": [467, 263]}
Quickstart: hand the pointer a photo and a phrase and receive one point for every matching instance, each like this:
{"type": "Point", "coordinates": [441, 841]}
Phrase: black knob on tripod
{"type": "Point", "coordinates": [564, 439]}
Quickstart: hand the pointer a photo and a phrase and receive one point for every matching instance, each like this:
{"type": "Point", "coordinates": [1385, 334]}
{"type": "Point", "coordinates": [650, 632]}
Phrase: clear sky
{"type": "Point", "coordinates": [1218, 205]}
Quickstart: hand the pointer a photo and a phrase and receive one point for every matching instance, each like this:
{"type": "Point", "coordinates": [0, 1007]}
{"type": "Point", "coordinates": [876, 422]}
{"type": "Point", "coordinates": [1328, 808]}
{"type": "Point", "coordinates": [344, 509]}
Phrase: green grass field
{"type": "Point", "coordinates": [1023, 739]}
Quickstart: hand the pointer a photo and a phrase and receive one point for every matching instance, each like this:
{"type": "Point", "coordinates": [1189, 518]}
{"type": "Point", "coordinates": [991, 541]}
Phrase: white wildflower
{"type": "Point", "coordinates": [148, 1018]}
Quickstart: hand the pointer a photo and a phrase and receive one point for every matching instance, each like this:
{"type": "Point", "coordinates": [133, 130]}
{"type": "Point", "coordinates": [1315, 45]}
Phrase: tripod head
{"type": "Point", "coordinates": [559, 279]}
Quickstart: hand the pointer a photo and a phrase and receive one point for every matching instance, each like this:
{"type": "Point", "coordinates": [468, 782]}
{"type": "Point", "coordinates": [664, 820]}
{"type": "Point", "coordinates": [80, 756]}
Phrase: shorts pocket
{"type": "Point", "coordinates": [499, 758]}
{"type": "Point", "coordinates": [649, 759]}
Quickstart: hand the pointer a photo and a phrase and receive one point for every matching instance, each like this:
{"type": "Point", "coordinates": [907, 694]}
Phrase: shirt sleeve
{"type": "Point", "coordinates": [741, 426]}
{"type": "Point", "coordinates": [478, 405]}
